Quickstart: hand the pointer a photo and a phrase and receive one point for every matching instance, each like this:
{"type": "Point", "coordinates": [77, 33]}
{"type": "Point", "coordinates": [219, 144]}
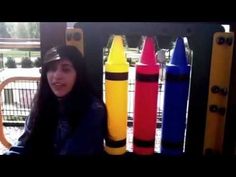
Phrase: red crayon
{"type": "Point", "coordinates": [145, 101]}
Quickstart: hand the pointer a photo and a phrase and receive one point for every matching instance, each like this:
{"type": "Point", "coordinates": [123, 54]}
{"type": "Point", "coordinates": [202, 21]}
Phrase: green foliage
{"type": "Point", "coordinates": [3, 31]}
{"type": "Point", "coordinates": [19, 54]}
{"type": "Point", "coordinates": [14, 118]}
{"type": "Point", "coordinates": [23, 29]}
{"type": "Point", "coordinates": [11, 63]}
{"type": "Point", "coordinates": [26, 62]}
{"type": "Point", "coordinates": [1, 63]}
{"type": "Point", "coordinates": [33, 29]}
{"type": "Point", "coordinates": [38, 62]}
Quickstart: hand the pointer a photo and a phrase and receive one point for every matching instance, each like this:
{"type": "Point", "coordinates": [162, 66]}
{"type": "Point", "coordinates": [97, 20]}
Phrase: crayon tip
{"type": "Point", "coordinates": [117, 51]}
{"type": "Point", "coordinates": [179, 55]}
{"type": "Point", "coordinates": [148, 52]}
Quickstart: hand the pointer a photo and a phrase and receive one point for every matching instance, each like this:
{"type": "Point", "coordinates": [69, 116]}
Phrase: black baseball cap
{"type": "Point", "coordinates": [51, 55]}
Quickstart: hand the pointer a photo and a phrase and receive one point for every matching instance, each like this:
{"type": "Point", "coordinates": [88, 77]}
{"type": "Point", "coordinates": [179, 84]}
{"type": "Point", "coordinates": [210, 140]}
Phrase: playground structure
{"type": "Point", "coordinates": [200, 36]}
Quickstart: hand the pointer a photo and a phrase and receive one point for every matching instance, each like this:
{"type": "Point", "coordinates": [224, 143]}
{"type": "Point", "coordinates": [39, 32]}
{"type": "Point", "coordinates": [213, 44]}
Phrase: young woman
{"type": "Point", "coordinates": [66, 118]}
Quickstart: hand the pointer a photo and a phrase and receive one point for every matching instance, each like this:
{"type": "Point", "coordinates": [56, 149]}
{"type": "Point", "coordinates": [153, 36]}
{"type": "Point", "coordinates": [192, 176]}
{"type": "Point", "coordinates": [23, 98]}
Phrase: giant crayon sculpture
{"type": "Point", "coordinates": [116, 95]}
{"type": "Point", "coordinates": [145, 104]}
{"type": "Point", "coordinates": [175, 102]}
{"type": "Point", "coordinates": [221, 63]}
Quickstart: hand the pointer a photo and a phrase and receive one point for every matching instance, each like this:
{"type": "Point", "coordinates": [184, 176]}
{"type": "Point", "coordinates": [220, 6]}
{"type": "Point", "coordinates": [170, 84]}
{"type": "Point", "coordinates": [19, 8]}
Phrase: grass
{"type": "Point", "coordinates": [19, 53]}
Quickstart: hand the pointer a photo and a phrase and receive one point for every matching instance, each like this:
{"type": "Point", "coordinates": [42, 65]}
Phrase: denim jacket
{"type": "Point", "coordinates": [87, 139]}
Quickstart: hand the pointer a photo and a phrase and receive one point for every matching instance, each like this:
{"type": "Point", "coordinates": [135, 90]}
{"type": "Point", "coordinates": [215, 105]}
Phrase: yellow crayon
{"type": "Point", "coordinates": [221, 61]}
{"type": "Point", "coordinates": [116, 95]}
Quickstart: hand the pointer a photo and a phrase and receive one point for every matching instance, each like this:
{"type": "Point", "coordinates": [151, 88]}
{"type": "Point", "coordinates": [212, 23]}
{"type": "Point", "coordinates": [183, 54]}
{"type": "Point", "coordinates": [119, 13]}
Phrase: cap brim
{"type": "Point", "coordinates": [54, 58]}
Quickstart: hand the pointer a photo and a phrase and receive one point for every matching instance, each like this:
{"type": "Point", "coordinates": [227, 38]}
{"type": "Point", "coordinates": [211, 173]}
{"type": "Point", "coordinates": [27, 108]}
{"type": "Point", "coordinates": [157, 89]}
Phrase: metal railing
{"type": "Point", "coordinates": [16, 94]}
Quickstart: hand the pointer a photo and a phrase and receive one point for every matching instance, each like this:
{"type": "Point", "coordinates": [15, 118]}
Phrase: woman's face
{"type": "Point", "coordinates": [61, 77]}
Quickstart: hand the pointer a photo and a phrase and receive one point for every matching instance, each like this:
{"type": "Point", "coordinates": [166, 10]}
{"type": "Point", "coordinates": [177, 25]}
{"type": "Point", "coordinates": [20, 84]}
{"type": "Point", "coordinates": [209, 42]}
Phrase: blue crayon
{"type": "Point", "coordinates": [175, 102]}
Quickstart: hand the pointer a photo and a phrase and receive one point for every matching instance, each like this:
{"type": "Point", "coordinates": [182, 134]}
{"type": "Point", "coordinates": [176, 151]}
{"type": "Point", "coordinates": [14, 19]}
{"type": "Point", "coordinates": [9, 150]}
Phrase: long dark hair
{"type": "Point", "coordinates": [45, 108]}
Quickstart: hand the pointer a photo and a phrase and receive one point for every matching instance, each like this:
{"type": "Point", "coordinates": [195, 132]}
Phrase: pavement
{"type": "Point", "coordinates": [11, 72]}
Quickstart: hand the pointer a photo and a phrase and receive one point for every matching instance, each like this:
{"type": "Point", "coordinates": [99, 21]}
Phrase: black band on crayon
{"type": "Point", "coordinates": [143, 143]}
{"type": "Point", "coordinates": [116, 76]}
{"type": "Point", "coordinates": [171, 145]}
{"type": "Point", "coordinates": [115, 144]}
{"type": "Point", "coordinates": [147, 77]}
{"type": "Point", "coordinates": [178, 78]}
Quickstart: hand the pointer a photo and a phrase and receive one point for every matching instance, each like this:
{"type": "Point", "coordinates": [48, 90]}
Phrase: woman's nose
{"type": "Point", "coordinates": [57, 74]}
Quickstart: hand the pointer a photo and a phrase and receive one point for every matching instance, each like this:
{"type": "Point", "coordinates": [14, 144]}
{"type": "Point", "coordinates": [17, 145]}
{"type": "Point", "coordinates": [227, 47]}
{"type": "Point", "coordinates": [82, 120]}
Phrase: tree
{"type": "Point", "coordinates": [33, 29]}
{"type": "Point", "coordinates": [11, 63]}
{"type": "Point", "coordinates": [3, 31]}
{"type": "Point", "coordinates": [1, 61]}
{"type": "Point", "coordinates": [38, 62]}
{"type": "Point", "coordinates": [26, 62]}
{"type": "Point", "coordinates": [23, 29]}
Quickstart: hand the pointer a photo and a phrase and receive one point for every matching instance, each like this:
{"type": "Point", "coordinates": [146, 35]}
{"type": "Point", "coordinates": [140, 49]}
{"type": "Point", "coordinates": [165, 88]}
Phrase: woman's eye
{"type": "Point", "coordinates": [52, 68]}
{"type": "Point", "coordinates": [66, 69]}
